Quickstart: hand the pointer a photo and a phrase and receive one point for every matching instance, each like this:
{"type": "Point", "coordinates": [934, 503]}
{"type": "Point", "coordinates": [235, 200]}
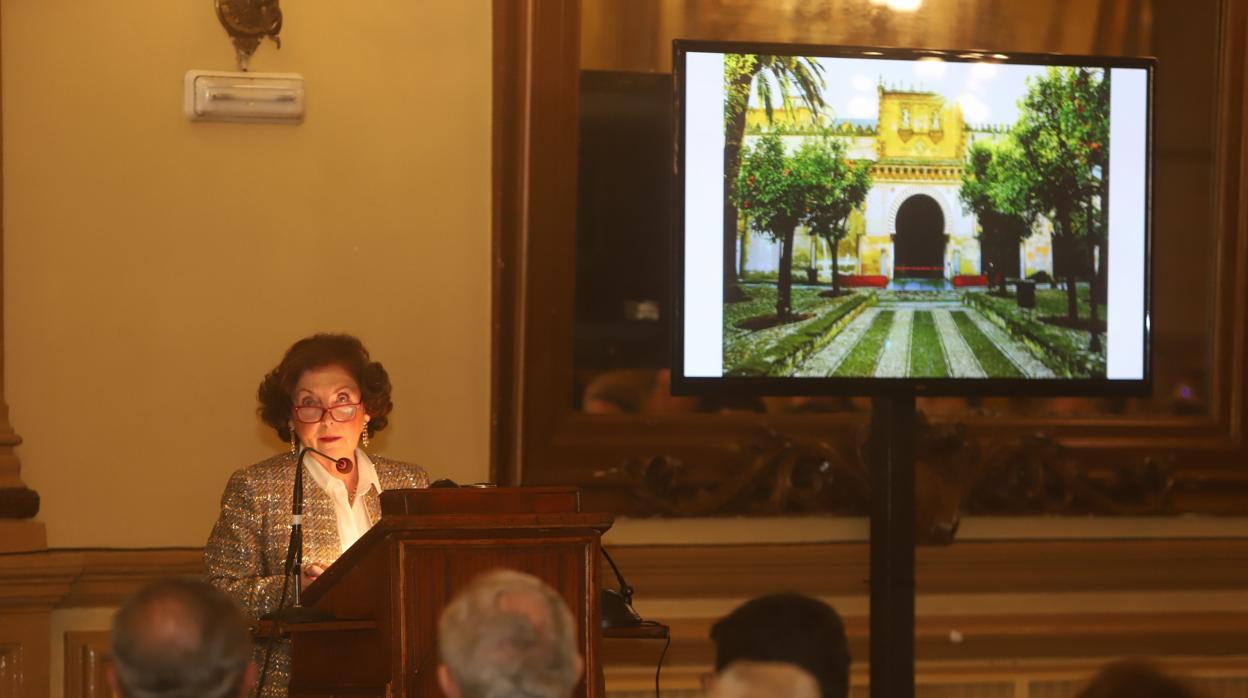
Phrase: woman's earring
{"type": "Point", "coordinates": [294, 451]}
{"type": "Point", "coordinates": [364, 436]}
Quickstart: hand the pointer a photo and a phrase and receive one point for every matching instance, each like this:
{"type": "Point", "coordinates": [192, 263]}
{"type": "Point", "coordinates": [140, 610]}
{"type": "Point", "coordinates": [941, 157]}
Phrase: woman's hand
{"type": "Point", "coordinates": [310, 572]}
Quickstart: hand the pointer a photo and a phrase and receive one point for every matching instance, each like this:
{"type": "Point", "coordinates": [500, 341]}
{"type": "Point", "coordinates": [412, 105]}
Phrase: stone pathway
{"type": "Point", "coordinates": [1015, 352]}
{"type": "Point", "coordinates": [958, 355]}
{"type": "Point", "coordinates": [895, 358]}
{"type": "Point", "coordinates": [826, 360]}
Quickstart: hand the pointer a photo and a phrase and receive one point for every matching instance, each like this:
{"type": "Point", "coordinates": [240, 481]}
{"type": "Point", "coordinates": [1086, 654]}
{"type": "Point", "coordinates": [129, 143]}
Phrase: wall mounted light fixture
{"type": "Point", "coordinates": [263, 98]}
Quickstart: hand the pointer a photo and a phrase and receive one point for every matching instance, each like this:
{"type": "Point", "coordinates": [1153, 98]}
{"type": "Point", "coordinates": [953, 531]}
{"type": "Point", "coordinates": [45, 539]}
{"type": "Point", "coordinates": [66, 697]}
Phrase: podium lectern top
{"type": "Point", "coordinates": [481, 500]}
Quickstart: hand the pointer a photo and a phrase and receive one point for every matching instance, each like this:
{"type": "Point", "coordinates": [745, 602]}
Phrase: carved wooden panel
{"type": "Point", "coordinates": [87, 657]}
{"type": "Point", "coordinates": [32, 584]}
{"type": "Point", "coordinates": [10, 670]}
{"type": "Point", "coordinates": [24, 650]}
{"type": "Point", "coordinates": [1182, 450]}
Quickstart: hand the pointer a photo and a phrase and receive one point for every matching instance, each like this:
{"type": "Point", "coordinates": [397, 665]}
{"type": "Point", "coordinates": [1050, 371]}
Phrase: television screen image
{"type": "Point", "coordinates": [852, 220]}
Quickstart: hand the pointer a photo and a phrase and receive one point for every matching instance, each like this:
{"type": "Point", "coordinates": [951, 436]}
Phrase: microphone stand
{"type": "Point", "coordinates": [617, 606]}
{"type": "Point", "coordinates": [296, 612]}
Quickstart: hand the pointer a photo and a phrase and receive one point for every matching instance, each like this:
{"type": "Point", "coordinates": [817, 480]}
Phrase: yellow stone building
{"type": "Point", "coordinates": [912, 224]}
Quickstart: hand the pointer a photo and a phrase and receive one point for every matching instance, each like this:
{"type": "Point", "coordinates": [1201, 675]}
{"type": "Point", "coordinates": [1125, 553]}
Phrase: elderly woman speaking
{"type": "Point", "coordinates": [326, 398]}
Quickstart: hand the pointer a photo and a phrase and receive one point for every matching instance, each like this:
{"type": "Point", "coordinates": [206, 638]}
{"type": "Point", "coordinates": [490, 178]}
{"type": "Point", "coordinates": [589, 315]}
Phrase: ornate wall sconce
{"type": "Point", "coordinates": [248, 22]}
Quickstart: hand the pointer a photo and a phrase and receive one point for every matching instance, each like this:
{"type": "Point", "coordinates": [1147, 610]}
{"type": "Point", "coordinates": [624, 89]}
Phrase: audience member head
{"type": "Point", "coordinates": [1135, 678]}
{"type": "Point", "coordinates": [746, 679]}
{"type": "Point", "coordinates": [788, 628]}
{"type": "Point", "coordinates": [508, 635]}
{"type": "Point", "coordinates": [181, 638]}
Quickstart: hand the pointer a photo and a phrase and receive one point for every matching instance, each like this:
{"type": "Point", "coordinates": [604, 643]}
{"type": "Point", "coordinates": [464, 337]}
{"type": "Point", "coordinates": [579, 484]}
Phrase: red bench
{"type": "Point", "coordinates": [863, 280]}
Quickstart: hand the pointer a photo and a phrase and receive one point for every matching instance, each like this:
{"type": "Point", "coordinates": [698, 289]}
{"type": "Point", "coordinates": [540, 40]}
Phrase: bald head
{"type": "Point", "coordinates": [764, 680]}
{"type": "Point", "coordinates": [180, 638]}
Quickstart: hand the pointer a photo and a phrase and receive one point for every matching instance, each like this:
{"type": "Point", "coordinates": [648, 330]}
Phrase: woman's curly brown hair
{"type": "Point", "coordinates": [318, 351]}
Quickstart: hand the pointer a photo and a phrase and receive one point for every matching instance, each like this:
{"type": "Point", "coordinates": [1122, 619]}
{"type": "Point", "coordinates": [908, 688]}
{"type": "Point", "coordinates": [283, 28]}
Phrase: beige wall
{"type": "Point", "coordinates": [150, 263]}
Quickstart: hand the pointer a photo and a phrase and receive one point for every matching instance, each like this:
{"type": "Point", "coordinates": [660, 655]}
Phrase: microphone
{"type": "Point", "coordinates": [617, 606]}
{"type": "Point", "coordinates": [342, 465]}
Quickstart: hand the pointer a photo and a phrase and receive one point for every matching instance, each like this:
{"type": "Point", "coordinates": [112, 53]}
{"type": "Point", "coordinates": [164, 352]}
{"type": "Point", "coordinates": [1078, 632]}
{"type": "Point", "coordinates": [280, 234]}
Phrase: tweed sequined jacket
{"type": "Point", "coordinates": [246, 552]}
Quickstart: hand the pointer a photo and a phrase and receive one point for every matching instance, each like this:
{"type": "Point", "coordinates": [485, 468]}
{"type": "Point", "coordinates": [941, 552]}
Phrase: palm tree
{"type": "Point", "coordinates": [744, 74]}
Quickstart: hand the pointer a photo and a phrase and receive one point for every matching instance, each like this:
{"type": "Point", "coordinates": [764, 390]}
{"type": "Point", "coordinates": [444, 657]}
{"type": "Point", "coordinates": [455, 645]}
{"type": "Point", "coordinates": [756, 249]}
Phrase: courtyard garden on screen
{"type": "Point", "coordinates": [957, 230]}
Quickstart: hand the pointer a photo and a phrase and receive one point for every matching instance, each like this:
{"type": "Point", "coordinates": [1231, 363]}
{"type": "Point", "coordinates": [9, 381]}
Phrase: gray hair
{"type": "Point", "coordinates": [494, 649]}
{"type": "Point", "coordinates": [180, 638]}
{"type": "Point", "coordinates": [746, 679]}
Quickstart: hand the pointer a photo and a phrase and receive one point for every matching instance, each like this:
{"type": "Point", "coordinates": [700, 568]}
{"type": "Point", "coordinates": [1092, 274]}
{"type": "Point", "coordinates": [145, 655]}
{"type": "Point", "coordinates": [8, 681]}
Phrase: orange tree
{"type": "Point", "coordinates": [994, 190]}
{"type": "Point", "coordinates": [834, 186]}
{"type": "Point", "coordinates": [772, 197]}
{"type": "Point", "coordinates": [1062, 134]}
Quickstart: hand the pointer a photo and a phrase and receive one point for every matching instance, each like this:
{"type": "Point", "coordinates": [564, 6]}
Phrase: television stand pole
{"type": "Point", "coordinates": [891, 449]}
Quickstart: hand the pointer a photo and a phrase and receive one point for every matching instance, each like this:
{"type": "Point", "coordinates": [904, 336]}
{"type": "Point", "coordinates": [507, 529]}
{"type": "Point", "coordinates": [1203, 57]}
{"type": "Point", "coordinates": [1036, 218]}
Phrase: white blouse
{"type": "Point", "coordinates": [352, 517]}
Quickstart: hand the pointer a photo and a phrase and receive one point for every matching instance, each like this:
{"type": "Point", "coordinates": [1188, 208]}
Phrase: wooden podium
{"type": "Point", "coordinates": [387, 591]}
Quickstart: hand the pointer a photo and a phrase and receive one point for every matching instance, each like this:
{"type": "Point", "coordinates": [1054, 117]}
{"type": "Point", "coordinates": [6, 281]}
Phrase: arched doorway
{"type": "Point", "coordinates": [920, 243]}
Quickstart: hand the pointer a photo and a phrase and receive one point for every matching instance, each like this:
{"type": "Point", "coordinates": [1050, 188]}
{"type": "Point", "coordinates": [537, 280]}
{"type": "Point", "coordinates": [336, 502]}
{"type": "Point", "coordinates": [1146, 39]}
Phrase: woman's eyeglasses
{"type": "Point", "coordinates": [311, 414]}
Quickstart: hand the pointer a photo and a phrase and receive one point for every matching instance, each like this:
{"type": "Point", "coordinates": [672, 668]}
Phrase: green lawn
{"type": "Point", "coordinates": [994, 363]}
{"type": "Point", "coordinates": [927, 358]}
{"type": "Point", "coordinates": [862, 358]}
{"type": "Point", "coordinates": [1052, 301]}
{"type": "Point", "coordinates": [1062, 349]}
{"type": "Point", "coordinates": [741, 344]}
{"type": "Point", "coordinates": [806, 299]}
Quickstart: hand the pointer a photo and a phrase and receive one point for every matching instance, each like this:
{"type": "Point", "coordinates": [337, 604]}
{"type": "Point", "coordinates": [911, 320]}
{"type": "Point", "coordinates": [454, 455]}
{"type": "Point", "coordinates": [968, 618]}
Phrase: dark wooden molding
{"type": "Point", "coordinates": [534, 147]}
{"type": "Point", "coordinates": [981, 567]}
{"type": "Point", "coordinates": [85, 578]}
{"type": "Point", "coordinates": [102, 578]}
{"type": "Point", "coordinates": [507, 203]}
{"type": "Point", "coordinates": [1142, 461]}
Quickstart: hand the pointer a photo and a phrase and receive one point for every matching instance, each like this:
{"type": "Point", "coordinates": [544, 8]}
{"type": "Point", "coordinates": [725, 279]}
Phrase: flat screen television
{"type": "Point", "coordinates": [854, 220]}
